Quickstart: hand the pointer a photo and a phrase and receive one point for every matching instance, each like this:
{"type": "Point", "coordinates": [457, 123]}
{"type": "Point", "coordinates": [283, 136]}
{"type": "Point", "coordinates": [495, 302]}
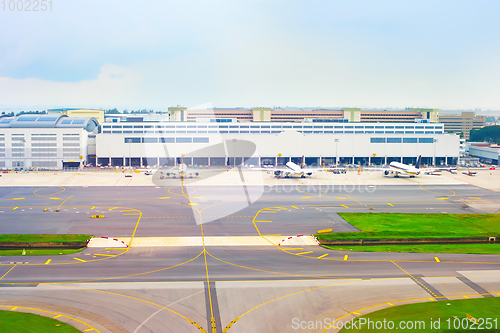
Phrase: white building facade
{"type": "Point", "coordinates": [44, 141]}
{"type": "Point", "coordinates": [233, 143]}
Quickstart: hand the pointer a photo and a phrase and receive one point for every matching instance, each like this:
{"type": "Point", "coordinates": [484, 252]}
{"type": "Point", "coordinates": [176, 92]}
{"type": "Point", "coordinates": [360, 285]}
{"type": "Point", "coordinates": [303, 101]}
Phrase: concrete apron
{"type": "Point", "coordinates": [209, 241]}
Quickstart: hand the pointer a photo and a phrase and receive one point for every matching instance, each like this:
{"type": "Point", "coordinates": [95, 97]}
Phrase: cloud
{"type": "Point", "coordinates": [252, 53]}
{"type": "Point", "coordinates": [113, 84]}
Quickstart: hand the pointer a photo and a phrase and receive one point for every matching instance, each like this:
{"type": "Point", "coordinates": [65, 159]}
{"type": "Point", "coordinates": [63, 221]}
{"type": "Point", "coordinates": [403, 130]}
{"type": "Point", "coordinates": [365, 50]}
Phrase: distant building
{"type": "Point", "coordinates": [135, 117]}
{"type": "Point", "coordinates": [177, 113]}
{"type": "Point", "coordinates": [79, 112]}
{"type": "Point", "coordinates": [484, 151]}
{"type": "Point", "coordinates": [463, 123]}
{"type": "Point", "coordinates": [261, 114]}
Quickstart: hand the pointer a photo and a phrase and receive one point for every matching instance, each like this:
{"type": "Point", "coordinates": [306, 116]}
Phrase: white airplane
{"type": "Point", "coordinates": [294, 170]}
{"type": "Point", "coordinates": [180, 171]}
{"type": "Point", "coordinates": [398, 168]}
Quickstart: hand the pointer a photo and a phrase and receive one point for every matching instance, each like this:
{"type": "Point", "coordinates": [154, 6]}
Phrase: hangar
{"type": "Point", "coordinates": [257, 143]}
{"type": "Point", "coordinates": [44, 141]}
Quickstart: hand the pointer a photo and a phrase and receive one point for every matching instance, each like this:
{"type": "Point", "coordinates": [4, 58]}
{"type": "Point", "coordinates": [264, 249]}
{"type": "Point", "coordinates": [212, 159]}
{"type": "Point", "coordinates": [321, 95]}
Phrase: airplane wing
{"type": "Point", "coordinates": [432, 170]}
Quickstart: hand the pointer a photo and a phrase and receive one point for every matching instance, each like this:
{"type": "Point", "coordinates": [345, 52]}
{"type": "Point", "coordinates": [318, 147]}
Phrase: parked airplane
{"type": "Point", "coordinates": [469, 173]}
{"type": "Point", "coordinates": [180, 171]}
{"type": "Point", "coordinates": [398, 168]}
{"type": "Point", "coordinates": [294, 170]}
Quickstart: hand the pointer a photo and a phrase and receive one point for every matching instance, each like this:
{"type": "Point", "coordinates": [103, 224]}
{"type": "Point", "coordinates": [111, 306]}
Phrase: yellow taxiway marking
{"type": "Point", "coordinates": [268, 212]}
{"type": "Point", "coordinates": [390, 304]}
{"type": "Point", "coordinates": [128, 210]}
{"type": "Point", "coordinates": [324, 230]}
{"type": "Point", "coordinates": [7, 272]}
{"type": "Point", "coordinates": [340, 198]}
{"type": "Point", "coordinates": [164, 198]}
{"type": "Point", "coordinates": [108, 255]}
{"type": "Point", "coordinates": [79, 259]}
{"type": "Point", "coordinates": [465, 296]}
{"type": "Point", "coordinates": [48, 261]}
{"type": "Point", "coordinates": [306, 197]}
{"type": "Point", "coordinates": [305, 252]}
{"type": "Point", "coordinates": [295, 248]}
{"type": "Point", "coordinates": [324, 255]}
{"type": "Point", "coordinates": [88, 330]}
{"type": "Point", "coordinates": [443, 198]}
{"type": "Point", "coordinates": [92, 207]}
{"type": "Point", "coordinates": [15, 208]}
{"type": "Point", "coordinates": [55, 198]}
{"type": "Point", "coordinates": [264, 221]}
{"type": "Point", "coordinates": [54, 314]}
{"type": "Point", "coordinates": [294, 207]}
{"type": "Point", "coordinates": [344, 206]}
{"type": "Point", "coordinates": [390, 204]}
{"type": "Point", "coordinates": [18, 198]}
{"type": "Point", "coordinates": [432, 299]}
{"type": "Point", "coordinates": [474, 198]}
{"type": "Point", "coordinates": [437, 259]}
{"type": "Point", "coordinates": [414, 279]}
{"type": "Point", "coordinates": [113, 208]}
{"type": "Point", "coordinates": [357, 313]}
{"type": "Point", "coordinates": [193, 204]}
{"type": "Point", "coordinates": [346, 256]}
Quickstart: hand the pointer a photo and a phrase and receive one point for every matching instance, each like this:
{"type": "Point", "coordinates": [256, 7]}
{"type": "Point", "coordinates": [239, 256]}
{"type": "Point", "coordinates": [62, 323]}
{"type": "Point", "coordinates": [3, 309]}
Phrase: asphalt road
{"type": "Point", "coordinates": [228, 289]}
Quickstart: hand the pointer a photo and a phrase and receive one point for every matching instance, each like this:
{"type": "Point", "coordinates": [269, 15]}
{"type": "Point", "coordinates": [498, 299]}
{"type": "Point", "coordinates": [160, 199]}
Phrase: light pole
{"type": "Point", "coordinates": [336, 153]}
{"type": "Point", "coordinates": [434, 141]}
{"type": "Point", "coordinates": [234, 153]}
{"type": "Point", "coordinates": [129, 153]}
{"type": "Point", "coordinates": [24, 154]}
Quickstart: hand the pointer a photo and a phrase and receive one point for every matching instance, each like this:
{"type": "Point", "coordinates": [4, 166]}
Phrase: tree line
{"type": "Point", "coordinates": [489, 134]}
{"type": "Point", "coordinates": [20, 113]}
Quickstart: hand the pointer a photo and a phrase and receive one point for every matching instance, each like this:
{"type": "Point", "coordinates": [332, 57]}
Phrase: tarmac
{"type": "Point", "coordinates": [210, 257]}
{"type": "Point", "coordinates": [488, 179]}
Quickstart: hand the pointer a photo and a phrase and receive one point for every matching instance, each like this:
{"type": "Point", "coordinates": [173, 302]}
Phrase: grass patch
{"type": "Point", "coordinates": [43, 238]}
{"type": "Point", "coordinates": [478, 308]}
{"type": "Point", "coordinates": [15, 322]}
{"type": "Point", "coordinates": [424, 248]}
{"type": "Point", "coordinates": [39, 252]}
{"type": "Point", "coordinates": [403, 225]}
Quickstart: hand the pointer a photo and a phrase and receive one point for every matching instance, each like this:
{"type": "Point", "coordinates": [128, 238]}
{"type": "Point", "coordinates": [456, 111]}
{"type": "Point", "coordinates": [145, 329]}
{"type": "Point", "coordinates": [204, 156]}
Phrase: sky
{"type": "Point", "coordinates": [248, 53]}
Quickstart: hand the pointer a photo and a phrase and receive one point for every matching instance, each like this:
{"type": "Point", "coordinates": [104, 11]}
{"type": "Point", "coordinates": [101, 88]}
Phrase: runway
{"type": "Point", "coordinates": [229, 288]}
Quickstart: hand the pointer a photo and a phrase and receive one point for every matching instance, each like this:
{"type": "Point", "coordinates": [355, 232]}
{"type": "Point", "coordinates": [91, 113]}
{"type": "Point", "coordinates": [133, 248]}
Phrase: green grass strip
{"type": "Point", "coordinates": [451, 316]}
{"type": "Point", "coordinates": [15, 322]}
{"type": "Point", "coordinates": [43, 238]}
{"type": "Point", "coordinates": [39, 252]}
{"type": "Point", "coordinates": [404, 225]}
{"type": "Point", "coordinates": [424, 248]}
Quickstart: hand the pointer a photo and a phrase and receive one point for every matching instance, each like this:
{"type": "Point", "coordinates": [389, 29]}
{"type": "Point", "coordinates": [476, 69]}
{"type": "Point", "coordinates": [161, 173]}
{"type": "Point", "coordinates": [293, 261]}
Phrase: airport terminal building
{"type": "Point", "coordinates": [56, 141]}
{"type": "Point", "coordinates": [259, 143]}
{"type": "Point", "coordinates": [44, 141]}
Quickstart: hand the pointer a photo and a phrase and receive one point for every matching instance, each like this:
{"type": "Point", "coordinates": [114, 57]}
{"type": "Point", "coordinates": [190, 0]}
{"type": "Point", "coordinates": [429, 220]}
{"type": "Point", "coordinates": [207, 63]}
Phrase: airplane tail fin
{"type": "Point", "coordinates": [419, 161]}
{"type": "Point", "coordinates": [303, 165]}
